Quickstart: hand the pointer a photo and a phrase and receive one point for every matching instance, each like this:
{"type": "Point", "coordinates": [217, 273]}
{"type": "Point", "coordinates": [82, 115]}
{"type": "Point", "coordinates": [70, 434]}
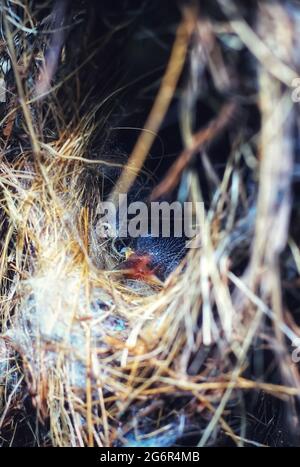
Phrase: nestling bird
{"type": "Point", "coordinates": [153, 258]}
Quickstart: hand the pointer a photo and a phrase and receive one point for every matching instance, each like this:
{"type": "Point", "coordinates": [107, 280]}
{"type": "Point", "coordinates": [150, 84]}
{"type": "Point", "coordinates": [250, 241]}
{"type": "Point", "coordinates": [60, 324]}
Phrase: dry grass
{"type": "Point", "coordinates": [104, 360]}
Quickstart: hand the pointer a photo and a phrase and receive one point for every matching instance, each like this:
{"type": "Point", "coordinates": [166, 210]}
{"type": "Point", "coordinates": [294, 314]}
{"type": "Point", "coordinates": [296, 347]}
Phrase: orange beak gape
{"type": "Point", "coordinates": [139, 267]}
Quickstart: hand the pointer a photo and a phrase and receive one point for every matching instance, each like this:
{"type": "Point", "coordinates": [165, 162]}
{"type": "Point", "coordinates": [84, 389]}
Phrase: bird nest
{"type": "Point", "coordinates": [98, 349]}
